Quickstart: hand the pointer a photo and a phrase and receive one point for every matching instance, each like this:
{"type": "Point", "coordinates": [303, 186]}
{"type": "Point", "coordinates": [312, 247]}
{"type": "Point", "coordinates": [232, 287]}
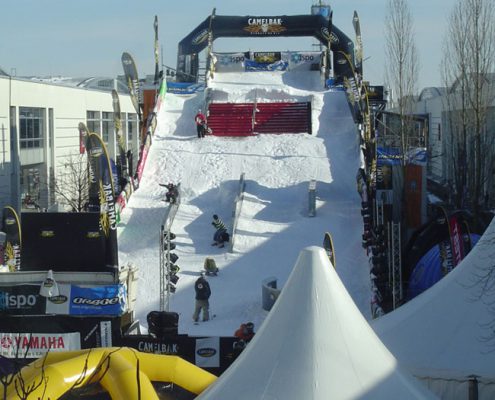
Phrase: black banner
{"type": "Point", "coordinates": [63, 242]}
{"type": "Point", "coordinates": [317, 26]}
{"type": "Point", "coordinates": [22, 300]}
{"type": "Point", "coordinates": [13, 240]}
{"type": "Point", "coordinates": [184, 346]}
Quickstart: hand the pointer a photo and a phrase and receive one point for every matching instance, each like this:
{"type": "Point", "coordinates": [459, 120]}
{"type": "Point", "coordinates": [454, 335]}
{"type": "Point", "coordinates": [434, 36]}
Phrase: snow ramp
{"type": "Point", "coordinates": [274, 224]}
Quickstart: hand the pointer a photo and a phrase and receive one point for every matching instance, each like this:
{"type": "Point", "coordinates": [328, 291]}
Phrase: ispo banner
{"type": "Point", "coordinates": [101, 300]}
{"type": "Point", "coordinates": [21, 300]}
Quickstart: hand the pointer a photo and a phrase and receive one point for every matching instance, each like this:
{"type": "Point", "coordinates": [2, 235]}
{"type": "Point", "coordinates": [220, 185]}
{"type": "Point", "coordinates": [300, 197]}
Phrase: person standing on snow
{"type": "Point", "coordinates": [221, 230]}
{"type": "Point", "coordinates": [203, 293]}
{"type": "Point", "coordinates": [200, 124]}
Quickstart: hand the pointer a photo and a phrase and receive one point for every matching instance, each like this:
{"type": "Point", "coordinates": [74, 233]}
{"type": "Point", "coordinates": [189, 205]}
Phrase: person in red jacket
{"type": "Point", "coordinates": [245, 332]}
{"type": "Point", "coordinates": [200, 124]}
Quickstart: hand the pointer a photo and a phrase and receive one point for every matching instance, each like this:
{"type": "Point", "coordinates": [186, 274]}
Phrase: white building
{"type": "Point", "coordinates": [39, 131]}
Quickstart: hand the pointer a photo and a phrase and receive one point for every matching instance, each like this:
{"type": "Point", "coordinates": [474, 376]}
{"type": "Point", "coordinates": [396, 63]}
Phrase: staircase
{"type": "Point", "coordinates": [236, 119]}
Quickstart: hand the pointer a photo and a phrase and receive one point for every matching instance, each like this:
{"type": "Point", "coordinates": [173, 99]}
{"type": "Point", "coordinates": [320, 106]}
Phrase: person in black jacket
{"type": "Point", "coordinates": [203, 292]}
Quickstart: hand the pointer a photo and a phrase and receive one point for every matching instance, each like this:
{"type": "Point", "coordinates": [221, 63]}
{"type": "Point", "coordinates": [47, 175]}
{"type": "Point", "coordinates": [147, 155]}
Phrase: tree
{"type": "Point", "coordinates": [467, 70]}
{"type": "Point", "coordinates": [402, 63]}
{"type": "Point", "coordinates": [71, 184]}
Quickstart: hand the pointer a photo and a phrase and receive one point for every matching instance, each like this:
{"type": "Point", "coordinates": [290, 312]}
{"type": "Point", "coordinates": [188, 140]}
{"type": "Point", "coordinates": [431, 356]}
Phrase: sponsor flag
{"type": "Point", "coordinates": [131, 77]}
{"type": "Point", "coordinates": [358, 51]}
{"type": "Point", "coordinates": [122, 171]}
{"type": "Point", "coordinates": [13, 239]}
{"type": "Point", "coordinates": [83, 134]}
{"type": "Point", "coordinates": [157, 53]}
{"type": "Point", "coordinates": [101, 186]}
{"type": "Point", "coordinates": [456, 240]}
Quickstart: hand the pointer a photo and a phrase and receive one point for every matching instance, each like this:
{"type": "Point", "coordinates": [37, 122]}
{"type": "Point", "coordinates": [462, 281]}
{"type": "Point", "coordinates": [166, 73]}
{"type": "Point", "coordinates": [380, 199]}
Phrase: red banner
{"type": "Point", "coordinates": [456, 240]}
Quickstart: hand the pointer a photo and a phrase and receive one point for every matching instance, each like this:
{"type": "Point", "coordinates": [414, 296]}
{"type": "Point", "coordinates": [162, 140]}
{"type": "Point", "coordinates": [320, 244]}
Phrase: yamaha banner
{"type": "Point", "coordinates": [33, 337]}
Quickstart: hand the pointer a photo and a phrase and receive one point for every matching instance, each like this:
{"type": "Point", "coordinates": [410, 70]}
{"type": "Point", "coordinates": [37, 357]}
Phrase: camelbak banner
{"type": "Point", "coordinates": [317, 26]}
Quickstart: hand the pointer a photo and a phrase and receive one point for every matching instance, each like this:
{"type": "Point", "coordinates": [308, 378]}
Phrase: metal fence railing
{"type": "Point", "coordinates": [237, 210]}
{"type": "Point", "coordinates": [165, 242]}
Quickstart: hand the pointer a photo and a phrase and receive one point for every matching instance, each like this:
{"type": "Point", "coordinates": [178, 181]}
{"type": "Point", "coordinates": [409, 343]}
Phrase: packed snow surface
{"type": "Point", "coordinates": [274, 225]}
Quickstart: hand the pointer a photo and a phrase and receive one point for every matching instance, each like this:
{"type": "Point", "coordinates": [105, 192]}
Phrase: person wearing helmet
{"type": "Point", "coordinates": [221, 234]}
{"type": "Point", "coordinates": [200, 124]}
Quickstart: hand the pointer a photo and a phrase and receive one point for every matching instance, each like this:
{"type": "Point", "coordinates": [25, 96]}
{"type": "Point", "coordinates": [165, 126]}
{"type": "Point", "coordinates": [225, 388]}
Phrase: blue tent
{"type": "Point", "coordinates": [428, 270]}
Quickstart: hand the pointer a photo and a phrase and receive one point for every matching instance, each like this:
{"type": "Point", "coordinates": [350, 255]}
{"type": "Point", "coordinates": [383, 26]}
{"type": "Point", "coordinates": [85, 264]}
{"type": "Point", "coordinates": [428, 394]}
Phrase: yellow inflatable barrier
{"type": "Point", "coordinates": [114, 368]}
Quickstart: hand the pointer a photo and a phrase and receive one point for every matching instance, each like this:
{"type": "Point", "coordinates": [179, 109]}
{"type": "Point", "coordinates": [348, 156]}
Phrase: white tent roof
{"type": "Point", "coordinates": [445, 328]}
{"type": "Point", "coordinates": [315, 344]}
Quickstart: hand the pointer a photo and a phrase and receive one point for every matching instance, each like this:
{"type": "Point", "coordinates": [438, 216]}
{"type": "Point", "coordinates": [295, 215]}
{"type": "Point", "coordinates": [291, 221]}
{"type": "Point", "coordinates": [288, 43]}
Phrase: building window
{"type": "Point", "coordinates": [131, 126]}
{"type": "Point", "coordinates": [93, 121]}
{"type": "Point", "coordinates": [439, 132]}
{"type": "Point", "coordinates": [31, 127]}
{"type": "Point", "coordinates": [107, 125]}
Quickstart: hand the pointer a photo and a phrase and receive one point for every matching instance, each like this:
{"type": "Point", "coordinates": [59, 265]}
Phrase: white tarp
{"type": "Point", "coordinates": [315, 344]}
{"type": "Point", "coordinates": [445, 334]}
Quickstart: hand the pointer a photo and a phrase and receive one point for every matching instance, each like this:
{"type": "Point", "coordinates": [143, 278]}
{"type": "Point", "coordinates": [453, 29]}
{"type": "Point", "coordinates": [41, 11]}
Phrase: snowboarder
{"type": "Point", "coordinates": [221, 234]}
{"type": "Point", "coordinates": [200, 124]}
{"type": "Point", "coordinates": [210, 266]}
{"type": "Point", "coordinates": [172, 192]}
{"type": "Point", "coordinates": [203, 292]}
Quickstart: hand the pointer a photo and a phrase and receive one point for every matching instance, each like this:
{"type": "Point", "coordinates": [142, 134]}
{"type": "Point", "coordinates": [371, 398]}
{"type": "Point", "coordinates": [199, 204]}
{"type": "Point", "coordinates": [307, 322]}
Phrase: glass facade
{"type": "Point", "coordinates": [107, 126]}
{"type": "Point", "coordinates": [31, 127]}
{"type": "Point", "coordinates": [93, 121]}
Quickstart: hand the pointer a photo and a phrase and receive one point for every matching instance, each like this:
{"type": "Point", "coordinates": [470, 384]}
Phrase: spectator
{"type": "Point", "coordinates": [245, 332]}
{"type": "Point", "coordinates": [203, 292]}
{"type": "Point", "coordinates": [200, 124]}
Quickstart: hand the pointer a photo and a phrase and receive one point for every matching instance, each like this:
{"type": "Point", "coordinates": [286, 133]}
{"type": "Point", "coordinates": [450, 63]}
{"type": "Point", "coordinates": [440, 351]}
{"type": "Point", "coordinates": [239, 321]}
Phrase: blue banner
{"type": "Point", "coordinates": [258, 66]}
{"type": "Point", "coordinates": [388, 156]}
{"type": "Point", "coordinates": [185, 87]}
{"type": "Point", "coordinates": [101, 300]}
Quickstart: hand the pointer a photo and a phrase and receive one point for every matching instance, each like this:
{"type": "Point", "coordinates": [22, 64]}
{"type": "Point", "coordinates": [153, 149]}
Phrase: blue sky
{"type": "Point", "coordinates": [87, 38]}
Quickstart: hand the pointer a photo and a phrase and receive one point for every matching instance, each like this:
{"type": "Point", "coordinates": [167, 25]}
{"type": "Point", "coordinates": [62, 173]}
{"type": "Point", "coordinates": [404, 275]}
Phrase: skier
{"type": "Point", "coordinates": [221, 234]}
{"type": "Point", "coordinates": [203, 292]}
{"type": "Point", "coordinates": [200, 124]}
